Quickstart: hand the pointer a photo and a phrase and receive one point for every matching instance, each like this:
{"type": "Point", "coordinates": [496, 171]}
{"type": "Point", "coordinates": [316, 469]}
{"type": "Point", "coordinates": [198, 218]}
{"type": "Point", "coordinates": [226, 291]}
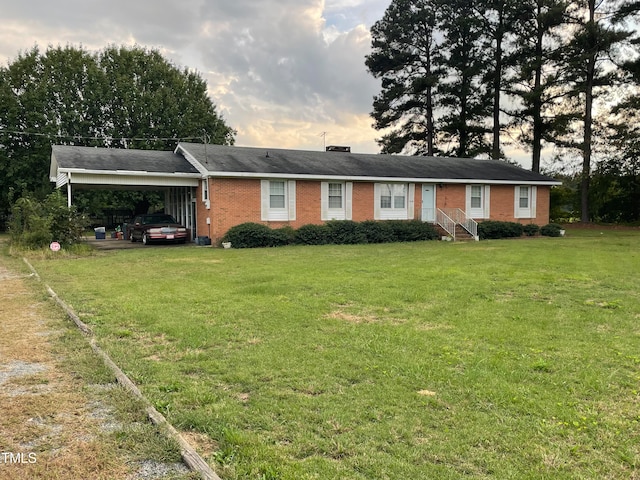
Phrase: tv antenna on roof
{"type": "Point", "coordinates": [206, 138]}
{"type": "Point", "coordinates": [324, 140]}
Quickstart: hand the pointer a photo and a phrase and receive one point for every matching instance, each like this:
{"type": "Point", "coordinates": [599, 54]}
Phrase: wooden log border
{"type": "Point", "coordinates": [188, 453]}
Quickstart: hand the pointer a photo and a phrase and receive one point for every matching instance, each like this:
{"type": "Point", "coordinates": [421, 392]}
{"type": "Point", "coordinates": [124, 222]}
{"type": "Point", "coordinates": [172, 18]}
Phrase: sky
{"type": "Point", "coordinates": [282, 73]}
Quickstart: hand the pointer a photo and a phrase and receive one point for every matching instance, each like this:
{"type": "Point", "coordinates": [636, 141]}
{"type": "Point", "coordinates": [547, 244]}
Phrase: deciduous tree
{"type": "Point", "coordinates": [119, 97]}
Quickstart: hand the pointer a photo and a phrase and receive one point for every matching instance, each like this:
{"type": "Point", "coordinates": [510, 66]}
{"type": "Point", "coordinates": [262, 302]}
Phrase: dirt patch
{"type": "Point", "coordinates": [201, 442]}
{"type": "Point", "coordinates": [51, 424]}
{"type": "Point", "coordinates": [46, 428]}
{"type": "Point", "coordinates": [348, 317]}
{"type": "Point", "coordinates": [364, 317]}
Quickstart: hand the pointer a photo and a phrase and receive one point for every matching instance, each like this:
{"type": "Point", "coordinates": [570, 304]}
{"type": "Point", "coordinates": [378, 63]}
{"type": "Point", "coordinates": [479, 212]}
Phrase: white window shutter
{"type": "Point", "coordinates": [291, 185]}
{"type": "Point", "coordinates": [487, 201]}
{"type": "Point", "coordinates": [264, 199]}
{"type": "Point", "coordinates": [324, 201]}
{"type": "Point", "coordinates": [411, 201]}
{"type": "Point", "coordinates": [468, 201]}
{"type": "Point", "coordinates": [516, 202]}
{"type": "Point", "coordinates": [534, 198]}
{"type": "Point", "coordinates": [348, 194]}
{"type": "Point", "coordinates": [376, 201]}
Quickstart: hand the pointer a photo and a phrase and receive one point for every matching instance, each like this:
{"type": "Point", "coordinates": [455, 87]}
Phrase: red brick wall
{"type": "Point", "coordinates": [501, 202]}
{"type": "Point", "coordinates": [308, 208]}
{"type": "Point", "coordinates": [451, 196]}
{"type": "Point", "coordinates": [362, 201]}
{"type": "Point", "coordinates": [543, 205]}
{"type": "Point", "coordinates": [235, 201]}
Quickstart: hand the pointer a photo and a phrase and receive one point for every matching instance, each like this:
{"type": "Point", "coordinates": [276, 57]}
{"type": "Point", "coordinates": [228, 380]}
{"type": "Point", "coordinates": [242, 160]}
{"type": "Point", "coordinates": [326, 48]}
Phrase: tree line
{"type": "Point", "coordinates": [119, 97]}
{"type": "Point", "coordinates": [472, 78]}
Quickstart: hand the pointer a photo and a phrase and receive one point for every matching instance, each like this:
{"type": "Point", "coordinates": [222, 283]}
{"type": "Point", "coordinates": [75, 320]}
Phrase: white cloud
{"type": "Point", "coordinates": [281, 72]}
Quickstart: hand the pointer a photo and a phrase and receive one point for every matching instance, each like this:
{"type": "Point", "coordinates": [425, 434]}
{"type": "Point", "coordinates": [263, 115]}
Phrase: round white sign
{"type": "Point", "coordinates": [55, 246]}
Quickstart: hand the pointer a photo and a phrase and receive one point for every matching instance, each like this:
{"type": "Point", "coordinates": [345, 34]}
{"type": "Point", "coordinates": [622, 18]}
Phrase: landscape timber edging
{"type": "Point", "coordinates": [190, 457]}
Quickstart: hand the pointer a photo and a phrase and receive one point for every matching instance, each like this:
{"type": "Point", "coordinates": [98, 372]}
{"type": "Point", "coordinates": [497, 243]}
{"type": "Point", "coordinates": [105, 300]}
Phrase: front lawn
{"type": "Point", "coordinates": [494, 359]}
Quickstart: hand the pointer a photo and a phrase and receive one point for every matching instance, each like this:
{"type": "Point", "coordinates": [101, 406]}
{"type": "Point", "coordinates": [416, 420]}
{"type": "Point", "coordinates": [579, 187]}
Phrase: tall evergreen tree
{"type": "Point", "coordinates": [501, 19]}
{"type": "Point", "coordinates": [538, 76]}
{"type": "Point", "coordinates": [405, 57]}
{"type": "Point", "coordinates": [590, 50]}
{"type": "Point", "coordinates": [465, 95]}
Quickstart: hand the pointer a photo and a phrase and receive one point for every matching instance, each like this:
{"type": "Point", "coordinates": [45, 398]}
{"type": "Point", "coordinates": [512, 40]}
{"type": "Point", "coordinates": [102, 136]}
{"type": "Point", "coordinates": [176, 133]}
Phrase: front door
{"type": "Point", "coordinates": [428, 202]}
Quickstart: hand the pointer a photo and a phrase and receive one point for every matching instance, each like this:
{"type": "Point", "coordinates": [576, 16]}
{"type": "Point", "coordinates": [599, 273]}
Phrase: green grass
{"type": "Point", "coordinates": [497, 359]}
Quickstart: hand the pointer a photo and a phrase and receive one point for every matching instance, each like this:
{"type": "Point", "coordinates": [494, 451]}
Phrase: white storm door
{"type": "Point", "coordinates": [428, 202]}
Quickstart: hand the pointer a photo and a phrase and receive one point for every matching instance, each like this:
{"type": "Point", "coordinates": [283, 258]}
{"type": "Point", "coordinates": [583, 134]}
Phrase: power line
{"type": "Point", "coordinates": [105, 138]}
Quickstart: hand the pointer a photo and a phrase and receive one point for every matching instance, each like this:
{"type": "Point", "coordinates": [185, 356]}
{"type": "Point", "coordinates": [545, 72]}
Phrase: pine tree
{"type": "Point", "coordinates": [405, 57]}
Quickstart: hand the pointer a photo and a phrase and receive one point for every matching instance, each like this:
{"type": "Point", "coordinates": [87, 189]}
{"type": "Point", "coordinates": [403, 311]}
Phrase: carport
{"type": "Point", "coordinates": [121, 169]}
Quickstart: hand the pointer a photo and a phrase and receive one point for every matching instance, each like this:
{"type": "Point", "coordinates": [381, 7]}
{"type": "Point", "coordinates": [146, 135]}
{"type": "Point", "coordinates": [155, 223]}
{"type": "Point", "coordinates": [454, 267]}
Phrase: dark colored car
{"type": "Point", "coordinates": [157, 227]}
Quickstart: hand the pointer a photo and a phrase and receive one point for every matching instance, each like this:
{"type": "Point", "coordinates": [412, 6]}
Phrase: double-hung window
{"type": "Point", "coordinates": [335, 194]}
{"type": "Point", "coordinates": [393, 195]}
{"type": "Point", "coordinates": [525, 201]}
{"type": "Point", "coordinates": [476, 196]}
{"type": "Point", "coordinates": [278, 200]}
{"type": "Point", "coordinates": [477, 204]}
{"type": "Point", "coordinates": [336, 200]}
{"type": "Point", "coordinates": [277, 196]}
{"type": "Point", "coordinates": [394, 201]}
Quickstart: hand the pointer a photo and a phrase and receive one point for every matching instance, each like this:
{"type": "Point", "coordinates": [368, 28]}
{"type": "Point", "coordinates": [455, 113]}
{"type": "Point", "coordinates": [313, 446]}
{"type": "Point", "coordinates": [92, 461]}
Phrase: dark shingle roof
{"type": "Point", "coordinates": [249, 160]}
{"type": "Point", "coordinates": [113, 159]}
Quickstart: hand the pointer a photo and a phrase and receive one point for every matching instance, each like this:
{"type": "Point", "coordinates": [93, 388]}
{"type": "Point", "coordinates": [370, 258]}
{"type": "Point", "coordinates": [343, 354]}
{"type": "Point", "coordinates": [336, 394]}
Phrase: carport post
{"type": "Point", "coordinates": [69, 194]}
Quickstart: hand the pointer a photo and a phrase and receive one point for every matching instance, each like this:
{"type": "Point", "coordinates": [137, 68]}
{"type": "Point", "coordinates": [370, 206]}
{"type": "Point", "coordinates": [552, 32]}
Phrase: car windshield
{"type": "Point", "coordinates": [150, 219]}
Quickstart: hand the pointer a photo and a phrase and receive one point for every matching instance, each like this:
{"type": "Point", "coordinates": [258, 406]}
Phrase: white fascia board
{"type": "Point", "coordinates": [130, 173]}
{"type": "Point", "coordinates": [53, 168]}
{"type": "Point", "coordinates": [133, 180]}
{"type": "Point", "coordinates": [347, 178]}
{"type": "Point", "coordinates": [192, 160]}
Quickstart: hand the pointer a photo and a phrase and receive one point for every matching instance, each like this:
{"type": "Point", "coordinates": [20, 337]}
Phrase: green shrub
{"type": "Point", "coordinates": [283, 236]}
{"type": "Point", "coordinates": [493, 229]}
{"type": "Point", "coordinates": [377, 232]}
{"type": "Point", "coordinates": [412, 230]}
{"type": "Point", "coordinates": [551, 230]}
{"type": "Point", "coordinates": [28, 226]}
{"type": "Point", "coordinates": [66, 224]}
{"type": "Point", "coordinates": [253, 235]}
{"type": "Point", "coordinates": [345, 232]}
{"type": "Point", "coordinates": [36, 224]}
{"type": "Point", "coordinates": [340, 232]}
{"type": "Point", "coordinates": [531, 229]}
{"type": "Point", "coordinates": [312, 235]}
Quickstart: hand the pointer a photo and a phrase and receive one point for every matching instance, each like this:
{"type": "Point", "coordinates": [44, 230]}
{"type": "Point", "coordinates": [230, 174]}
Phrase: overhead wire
{"type": "Point", "coordinates": [104, 138]}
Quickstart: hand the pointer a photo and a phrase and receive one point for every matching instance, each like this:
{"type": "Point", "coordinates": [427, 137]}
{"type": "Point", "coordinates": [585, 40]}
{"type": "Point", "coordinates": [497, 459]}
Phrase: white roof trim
{"type": "Point", "coordinates": [139, 173]}
{"type": "Point", "coordinates": [192, 160]}
{"type": "Point", "coordinates": [347, 178]}
{"type": "Point", "coordinates": [128, 180]}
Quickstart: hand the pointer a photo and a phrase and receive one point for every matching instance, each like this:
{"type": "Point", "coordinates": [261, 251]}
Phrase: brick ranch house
{"type": "Point", "coordinates": [211, 188]}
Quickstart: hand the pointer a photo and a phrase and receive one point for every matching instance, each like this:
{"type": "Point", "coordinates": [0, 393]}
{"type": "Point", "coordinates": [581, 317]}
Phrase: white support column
{"type": "Point", "coordinates": [69, 194]}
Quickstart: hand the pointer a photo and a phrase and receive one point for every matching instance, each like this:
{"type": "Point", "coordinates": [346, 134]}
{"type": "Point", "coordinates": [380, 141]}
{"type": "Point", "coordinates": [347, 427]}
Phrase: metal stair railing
{"type": "Point", "coordinates": [447, 223]}
{"type": "Point", "coordinates": [460, 218]}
